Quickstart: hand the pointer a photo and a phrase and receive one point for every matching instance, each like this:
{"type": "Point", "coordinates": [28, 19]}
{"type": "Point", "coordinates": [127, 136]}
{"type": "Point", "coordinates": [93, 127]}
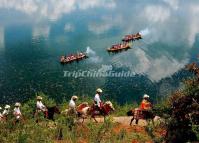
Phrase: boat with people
{"type": "Point", "coordinates": [132, 37]}
{"type": "Point", "coordinates": [73, 57]}
{"type": "Point", "coordinates": [119, 47]}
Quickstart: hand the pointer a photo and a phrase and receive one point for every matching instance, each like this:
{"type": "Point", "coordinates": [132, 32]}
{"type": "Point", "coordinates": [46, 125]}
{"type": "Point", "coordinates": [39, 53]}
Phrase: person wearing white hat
{"type": "Point", "coordinates": [17, 111]}
{"type": "Point", "coordinates": [145, 104]}
{"type": "Point", "coordinates": [72, 105]}
{"type": "Point", "coordinates": [40, 106]}
{"type": "Point", "coordinates": [97, 100]}
{"type": "Point", "coordinates": [6, 110]}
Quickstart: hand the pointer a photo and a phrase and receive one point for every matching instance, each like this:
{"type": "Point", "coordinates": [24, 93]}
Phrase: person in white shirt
{"type": "Point", "coordinates": [40, 105]}
{"type": "Point", "coordinates": [72, 105]}
{"type": "Point", "coordinates": [6, 112]}
{"type": "Point", "coordinates": [97, 100]}
{"type": "Point", "coordinates": [17, 111]}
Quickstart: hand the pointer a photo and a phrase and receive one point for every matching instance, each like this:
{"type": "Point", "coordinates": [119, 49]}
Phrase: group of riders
{"type": "Point", "coordinates": [6, 112]}
{"type": "Point", "coordinates": [145, 106]}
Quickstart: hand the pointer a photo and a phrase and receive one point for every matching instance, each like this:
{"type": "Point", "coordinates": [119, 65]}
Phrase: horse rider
{"type": "Point", "coordinates": [72, 105]}
{"type": "Point", "coordinates": [146, 105]}
{"type": "Point", "coordinates": [40, 107]}
{"type": "Point", "coordinates": [17, 111]}
{"type": "Point", "coordinates": [6, 110]}
{"type": "Point", "coordinates": [97, 100]}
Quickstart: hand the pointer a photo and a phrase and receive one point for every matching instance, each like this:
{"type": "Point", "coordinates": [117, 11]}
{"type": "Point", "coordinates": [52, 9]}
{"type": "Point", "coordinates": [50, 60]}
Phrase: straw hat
{"type": "Point", "coordinates": [74, 97]}
{"type": "Point", "coordinates": [17, 104]}
{"type": "Point", "coordinates": [39, 98]}
{"type": "Point", "coordinates": [99, 90]}
{"type": "Point", "coordinates": [7, 106]}
{"type": "Point", "coordinates": [146, 96]}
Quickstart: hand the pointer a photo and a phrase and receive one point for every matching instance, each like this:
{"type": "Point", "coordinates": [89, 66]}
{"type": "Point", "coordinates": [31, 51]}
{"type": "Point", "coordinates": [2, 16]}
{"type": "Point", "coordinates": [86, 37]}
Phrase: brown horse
{"type": "Point", "coordinates": [3, 118]}
{"type": "Point", "coordinates": [19, 120]}
{"type": "Point", "coordinates": [140, 114]}
{"type": "Point", "coordinates": [93, 111]}
{"type": "Point", "coordinates": [49, 114]}
{"type": "Point", "coordinates": [52, 111]}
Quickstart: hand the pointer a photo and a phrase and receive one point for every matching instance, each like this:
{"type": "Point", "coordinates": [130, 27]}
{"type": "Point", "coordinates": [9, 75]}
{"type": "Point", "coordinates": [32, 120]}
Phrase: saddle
{"type": "Point", "coordinates": [138, 113]}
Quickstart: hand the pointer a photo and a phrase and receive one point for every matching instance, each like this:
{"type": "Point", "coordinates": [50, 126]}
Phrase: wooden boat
{"type": "Point", "coordinates": [119, 47]}
{"type": "Point", "coordinates": [132, 37]}
{"type": "Point", "coordinates": [72, 58]}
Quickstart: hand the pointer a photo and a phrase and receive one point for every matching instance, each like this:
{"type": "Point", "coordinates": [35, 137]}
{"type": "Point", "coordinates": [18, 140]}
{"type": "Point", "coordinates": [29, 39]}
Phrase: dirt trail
{"type": "Point", "coordinates": [125, 120]}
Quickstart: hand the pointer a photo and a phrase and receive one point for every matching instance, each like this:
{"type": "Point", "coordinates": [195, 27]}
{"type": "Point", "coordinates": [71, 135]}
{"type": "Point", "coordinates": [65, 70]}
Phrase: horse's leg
{"type": "Point", "coordinates": [60, 134]}
{"type": "Point", "coordinates": [22, 120]}
{"type": "Point", "coordinates": [95, 119]}
{"type": "Point", "coordinates": [93, 116]}
{"type": "Point", "coordinates": [131, 121]}
{"type": "Point", "coordinates": [82, 120]}
{"type": "Point", "coordinates": [14, 122]}
{"type": "Point", "coordinates": [36, 116]}
{"type": "Point", "coordinates": [136, 121]}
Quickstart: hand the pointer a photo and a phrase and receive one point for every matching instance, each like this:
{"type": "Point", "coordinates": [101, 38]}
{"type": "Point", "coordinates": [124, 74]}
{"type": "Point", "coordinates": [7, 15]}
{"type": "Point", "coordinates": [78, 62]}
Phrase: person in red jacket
{"type": "Point", "coordinates": [145, 104]}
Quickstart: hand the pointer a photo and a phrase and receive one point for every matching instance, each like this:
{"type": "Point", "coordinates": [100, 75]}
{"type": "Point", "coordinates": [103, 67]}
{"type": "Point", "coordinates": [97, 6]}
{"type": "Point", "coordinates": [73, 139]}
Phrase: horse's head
{"type": "Point", "coordinates": [82, 105]}
{"type": "Point", "coordinates": [108, 106]}
{"type": "Point", "coordinates": [130, 113]}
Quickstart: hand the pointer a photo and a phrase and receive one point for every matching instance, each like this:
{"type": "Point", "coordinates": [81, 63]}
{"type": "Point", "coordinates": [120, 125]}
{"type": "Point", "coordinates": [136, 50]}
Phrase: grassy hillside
{"type": "Point", "coordinates": [179, 111]}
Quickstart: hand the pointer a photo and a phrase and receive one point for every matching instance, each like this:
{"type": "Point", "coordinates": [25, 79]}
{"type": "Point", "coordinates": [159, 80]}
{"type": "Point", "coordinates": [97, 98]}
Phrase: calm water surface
{"type": "Point", "coordinates": [35, 33]}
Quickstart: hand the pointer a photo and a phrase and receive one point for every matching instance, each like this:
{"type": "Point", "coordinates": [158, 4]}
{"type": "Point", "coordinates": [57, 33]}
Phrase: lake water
{"type": "Point", "coordinates": [35, 33]}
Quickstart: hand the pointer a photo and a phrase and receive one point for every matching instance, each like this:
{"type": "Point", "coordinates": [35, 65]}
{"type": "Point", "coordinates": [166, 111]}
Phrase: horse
{"type": "Point", "coordinates": [8, 117]}
{"type": "Point", "coordinates": [137, 114]}
{"type": "Point", "coordinates": [107, 107]}
{"type": "Point", "coordinates": [82, 110]}
{"type": "Point", "coordinates": [49, 113]}
{"type": "Point", "coordinates": [19, 120]}
{"type": "Point", "coordinates": [3, 118]}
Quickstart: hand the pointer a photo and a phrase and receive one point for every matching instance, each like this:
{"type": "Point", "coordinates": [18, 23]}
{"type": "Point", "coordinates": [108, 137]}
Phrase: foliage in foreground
{"type": "Point", "coordinates": [183, 122]}
{"type": "Point", "coordinates": [65, 129]}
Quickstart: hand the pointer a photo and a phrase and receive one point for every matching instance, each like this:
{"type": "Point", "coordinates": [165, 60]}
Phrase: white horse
{"type": "Point", "coordinates": [84, 110]}
{"type": "Point", "coordinates": [107, 107]}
